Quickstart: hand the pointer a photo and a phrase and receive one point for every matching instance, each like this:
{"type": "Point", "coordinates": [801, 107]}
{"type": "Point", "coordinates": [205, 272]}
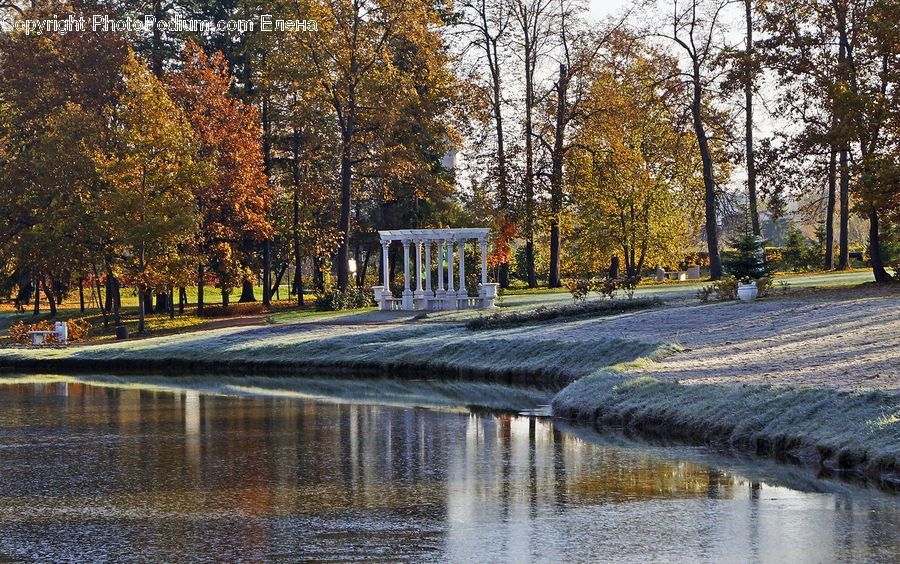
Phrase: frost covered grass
{"type": "Point", "coordinates": [428, 350]}
{"type": "Point", "coordinates": [839, 430]}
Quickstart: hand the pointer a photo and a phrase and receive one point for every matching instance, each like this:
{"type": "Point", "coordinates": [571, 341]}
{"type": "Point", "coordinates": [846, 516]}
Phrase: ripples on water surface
{"type": "Point", "coordinates": [105, 473]}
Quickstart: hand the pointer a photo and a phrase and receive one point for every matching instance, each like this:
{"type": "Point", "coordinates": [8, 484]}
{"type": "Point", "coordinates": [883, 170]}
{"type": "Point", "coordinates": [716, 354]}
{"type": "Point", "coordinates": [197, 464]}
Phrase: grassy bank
{"type": "Point", "coordinates": [856, 432]}
{"type": "Point", "coordinates": [427, 350]}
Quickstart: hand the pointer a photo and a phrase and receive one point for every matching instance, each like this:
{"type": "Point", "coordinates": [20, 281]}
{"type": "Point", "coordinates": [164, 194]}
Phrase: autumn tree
{"type": "Point", "coordinates": [361, 63]}
{"type": "Point", "coordinates": [534, 21]}
{"type": "Point", "coordinates": [52, 200]}
{"type": "Point", "coordinates": [634, 168]}
{"type": "Point", "coordinates": [487, 28]}
{"type": "Point", "coordinates": [233, 196]}
{"type": "Point", "coordinates": [694, 28]}
{"type": "Point", "coordinates": [147, 166]}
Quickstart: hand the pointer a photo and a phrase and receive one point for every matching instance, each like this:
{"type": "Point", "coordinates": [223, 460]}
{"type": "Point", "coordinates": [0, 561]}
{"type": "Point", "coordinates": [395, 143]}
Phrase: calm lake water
{"type": "Point", "coordinates": [92, 473]}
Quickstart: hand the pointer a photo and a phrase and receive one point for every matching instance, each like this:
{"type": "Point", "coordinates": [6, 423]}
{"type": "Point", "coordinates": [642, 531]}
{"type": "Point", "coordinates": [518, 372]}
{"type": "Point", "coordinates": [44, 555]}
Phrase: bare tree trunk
{"type": "Point", "coordinates": [709, 183]}
{"type": "Point", "coordinates": [182, 299]}
{"type": "Point", "coordinates": [100, 296]}
{"type": "Point", "coordinates": [829, 210]}
{"type": "Point", "coordinates": [171, 303]}
{"type": "Point", "coordinates": [556, 174]}
{"type": "Point", "coordinates": [267, 271]}
{"type": "Point", "coordinates": [748, 108]}
{"type": "Point", "coordinates": [343, 255]}
{"type": "Point", "coordinates": [81, 294]}
{"type": "Point", "coordinates": [49, 293]}
{"type": "Point", "coordinates": [298, 282]}
{"type": "Point", "coordinates": [844, 246]}
{"type": "Point", "coordinates": [141, 294]}
{"type": "Point", "coordinates": [875, 257]}
{"type": "Point", "coordinates": [200, 275]}
{"type": "Point", "coordinates": [37, 294]}
{"type": "Point", "coordinates": [247, 293]}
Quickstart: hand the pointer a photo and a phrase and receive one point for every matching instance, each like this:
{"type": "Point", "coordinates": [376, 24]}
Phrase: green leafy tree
{"type": "Point", "coordinates": [147, 164]}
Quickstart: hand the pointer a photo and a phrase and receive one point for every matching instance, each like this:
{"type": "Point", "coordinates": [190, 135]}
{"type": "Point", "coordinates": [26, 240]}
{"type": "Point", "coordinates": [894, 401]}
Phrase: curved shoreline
{"type": "Point", "coordinates": [548, 380]}
{"type": "Point", "coordinates": [714, 415]}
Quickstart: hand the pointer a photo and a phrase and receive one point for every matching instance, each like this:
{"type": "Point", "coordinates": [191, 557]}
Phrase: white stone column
{"type": "Point", "coordinates": [428, 267]}
{"type": "Point", "coordinates": [484, 261]}
{"type": "Point", "coordinates": [440, 265]}
{"type": "Point", "coordinates": [451, 293]}
{"type": "Point", "coordinates": [419, 294]}
{"type": "Point", "coordinates": [383, 292]}
{"type": "Point", "coordinates": [385, 264]}
{"type": "Point", "coordinates": [462, 269]}
{"type": "Point", "coordinates": [407, 303]}
{"type": "Point", "coordinates": [450, 266]}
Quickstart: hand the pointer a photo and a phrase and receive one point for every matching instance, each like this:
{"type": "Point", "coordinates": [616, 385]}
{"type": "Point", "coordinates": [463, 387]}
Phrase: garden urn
{"type": "Point", "coordinates": [747, 292]}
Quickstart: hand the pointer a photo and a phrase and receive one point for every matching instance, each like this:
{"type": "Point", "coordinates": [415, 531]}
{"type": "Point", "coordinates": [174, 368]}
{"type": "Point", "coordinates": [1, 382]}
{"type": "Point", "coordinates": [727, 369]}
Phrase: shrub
{"type": "Point", "coordinates": [798, 255]}
{"type": "Point", "coordinates": [724, 290]}
{"type": "Point", "coordinates": [334, 300]}
{"type": "Point", "coordinates": [579, 288]}
{"type": "Point", "coordinates": [610, 286]}
{"type": "Point", "coordinates": [747, 257]}
{"type": "Point", "coordinates": [78, 329]}
{"type": "Point", "coordinates": [543, 313]}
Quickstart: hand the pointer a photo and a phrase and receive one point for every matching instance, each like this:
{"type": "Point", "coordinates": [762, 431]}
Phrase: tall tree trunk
{"type": "Point", "coordinates": [748, 122]}
{"type": "Point", "coordinates": [182, 299]}
{"type": "Point", "coordinates": [829, 210]}
{"type": "Point", "coordinates": [103, 310]}
{"type": "Point", "coordinates": [156, 57]}
{"type": "Point", "coordinates": [502, 174]}
{"type": "Point", "coordinates": [709, 182]}
{"type": "Point", "coordinates": [148, 303]}
{"type": "Point", "coordinates": [200, 275]}
{"type": "Point", "coordinates": [298, 282]}
{"type": "Point", "coordinates": [343, 254]}
{"type": "Point", "coordinates": [37, 294]}
{"type": "Point", "coordinates": [529, 183]}
{"type": "Point", "coordinates": [113, 295]}
{"type": "Point", "coordinates": [49, 293]}
{"type": "Point", "coordinates": [142, 302]}
{"type": "Point", "coordinates": [225, 296]}
{"type": "Point", "coordinates": [843, 54]}
{"type": "Point", "coordinates": [161, 303]}
{"type": "Point", "coordinates": [277, 283]}
{"type": "Point", "coordinates": [267, 271]}
{"type": "Point", "coordinates": [81, 294]}
{"type": "Point", "coordinates": [298, 258]}
{"type": "Point", "coordinates": [556, 174]}
{"type": "Point", "coordinates": [844, 235]}
{"type": "Point", "coordinates": [875, 257]}
{"type": "Point", "coordinates": [247, 292]}
{"type": "Point", "coordinates": [109, 293]}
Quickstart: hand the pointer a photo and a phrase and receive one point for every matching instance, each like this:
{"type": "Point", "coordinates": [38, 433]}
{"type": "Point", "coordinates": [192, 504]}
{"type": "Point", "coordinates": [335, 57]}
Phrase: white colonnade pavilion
{"type": "Point", "coordinates": [450, 245]}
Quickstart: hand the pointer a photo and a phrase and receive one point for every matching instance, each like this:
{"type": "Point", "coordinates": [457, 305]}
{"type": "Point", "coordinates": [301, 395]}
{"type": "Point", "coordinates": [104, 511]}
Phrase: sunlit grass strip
{"type": "Point", "coordinates": [572, 311]}
{"type": "Point", "coordinates": [838, 430]}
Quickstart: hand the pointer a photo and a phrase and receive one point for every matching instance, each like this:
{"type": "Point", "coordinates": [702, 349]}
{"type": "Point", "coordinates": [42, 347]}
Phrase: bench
{"type": "Point", "coordinates": [692, 273]}
{"type": "Point", "coordinates": [61, 332]}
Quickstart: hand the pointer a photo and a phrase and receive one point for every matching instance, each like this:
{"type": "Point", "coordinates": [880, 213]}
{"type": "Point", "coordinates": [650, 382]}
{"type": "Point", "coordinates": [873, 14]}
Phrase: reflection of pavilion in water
{"type": "Point", "coordinates": [475, 484]}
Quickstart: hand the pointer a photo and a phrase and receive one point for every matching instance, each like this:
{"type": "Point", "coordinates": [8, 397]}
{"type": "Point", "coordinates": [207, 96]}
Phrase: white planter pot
{"type": "Point", "coordinates": [747, 292]}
